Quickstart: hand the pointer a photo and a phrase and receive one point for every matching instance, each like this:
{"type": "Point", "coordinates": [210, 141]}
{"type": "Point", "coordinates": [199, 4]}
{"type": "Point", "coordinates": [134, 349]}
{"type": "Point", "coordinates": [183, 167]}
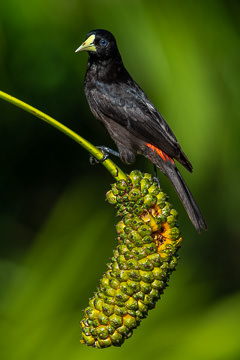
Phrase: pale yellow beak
{"type": "Point", "coordinates": [87, 45]}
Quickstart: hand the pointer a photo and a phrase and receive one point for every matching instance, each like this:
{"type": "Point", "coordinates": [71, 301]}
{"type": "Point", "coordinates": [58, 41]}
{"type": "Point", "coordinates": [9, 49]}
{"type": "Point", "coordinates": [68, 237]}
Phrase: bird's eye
{"type": "Point", "coordinates": [103, 42]}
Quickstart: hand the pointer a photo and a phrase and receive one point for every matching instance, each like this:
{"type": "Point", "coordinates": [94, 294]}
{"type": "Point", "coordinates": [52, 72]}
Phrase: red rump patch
{"type": "Point", "coordinates": [163, 155]}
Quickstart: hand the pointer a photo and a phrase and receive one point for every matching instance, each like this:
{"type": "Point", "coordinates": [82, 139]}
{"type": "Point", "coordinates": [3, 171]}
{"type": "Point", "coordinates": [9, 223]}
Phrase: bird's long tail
{"type": "Point", "coordinates": [168, 167]}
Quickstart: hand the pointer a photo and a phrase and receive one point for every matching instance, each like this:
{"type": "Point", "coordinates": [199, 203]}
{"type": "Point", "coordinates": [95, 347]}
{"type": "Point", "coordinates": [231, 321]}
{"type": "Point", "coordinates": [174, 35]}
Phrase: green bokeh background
{"type": "Point", "coordinates": [56, 230]}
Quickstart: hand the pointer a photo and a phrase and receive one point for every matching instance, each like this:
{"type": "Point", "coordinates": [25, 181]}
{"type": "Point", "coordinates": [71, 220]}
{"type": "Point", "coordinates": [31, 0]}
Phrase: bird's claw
{"type": "Point", "coordinates": [105, 151]}
{"type": "Point", "coordinates": [156, 180]}
{"type": "Point", "coordinates": [155, 177]}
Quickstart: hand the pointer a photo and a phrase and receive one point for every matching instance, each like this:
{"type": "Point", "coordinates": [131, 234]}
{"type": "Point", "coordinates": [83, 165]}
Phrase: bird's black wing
{"type": "Point", "coordinates": [126, 103]}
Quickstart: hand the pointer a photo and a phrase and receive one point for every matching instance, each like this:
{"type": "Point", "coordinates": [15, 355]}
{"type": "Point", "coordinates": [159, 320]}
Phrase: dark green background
{"type": "Point", "coordinates": [56, 230]}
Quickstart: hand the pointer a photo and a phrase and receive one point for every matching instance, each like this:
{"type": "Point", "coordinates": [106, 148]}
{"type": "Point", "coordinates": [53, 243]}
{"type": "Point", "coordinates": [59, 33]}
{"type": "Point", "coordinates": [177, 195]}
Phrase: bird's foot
{"type": "Point", "coordinates": [106, 152]}
{"type": "Point", "coordinates": [156, 180]}
{"type": "Point", "coordinates": [155, 177]}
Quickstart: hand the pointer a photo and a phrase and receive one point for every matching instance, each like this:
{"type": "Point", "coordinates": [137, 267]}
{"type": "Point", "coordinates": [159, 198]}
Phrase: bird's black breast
{"type": "Point", "coordinates": [107, 96]}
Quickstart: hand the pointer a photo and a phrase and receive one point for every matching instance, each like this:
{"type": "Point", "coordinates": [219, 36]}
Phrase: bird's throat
{"type": "Point", "coordinates": [106, 69]}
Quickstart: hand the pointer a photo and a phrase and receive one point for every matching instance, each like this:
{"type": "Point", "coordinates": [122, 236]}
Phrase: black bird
{"type": "Point", "coordinates": [132, 121]}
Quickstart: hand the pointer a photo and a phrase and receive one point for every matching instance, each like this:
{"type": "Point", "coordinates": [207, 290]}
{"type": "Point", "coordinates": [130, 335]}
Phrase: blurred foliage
{"type": "Point", "coordinates": [57, 233]}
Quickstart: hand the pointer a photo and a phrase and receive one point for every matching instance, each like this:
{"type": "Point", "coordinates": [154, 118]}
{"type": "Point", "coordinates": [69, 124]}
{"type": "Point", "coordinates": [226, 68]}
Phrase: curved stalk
{"type": "Point", "coordinates": [114, 170]}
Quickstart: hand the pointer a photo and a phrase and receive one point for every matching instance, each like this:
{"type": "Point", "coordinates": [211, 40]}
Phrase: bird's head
{"type": "Point", "coordinates": [100, 44]}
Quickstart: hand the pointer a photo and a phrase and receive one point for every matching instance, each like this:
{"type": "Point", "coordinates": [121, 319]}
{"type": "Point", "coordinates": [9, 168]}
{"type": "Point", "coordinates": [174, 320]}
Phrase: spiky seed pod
{"type": "Point", "coordinates": [146, 254]}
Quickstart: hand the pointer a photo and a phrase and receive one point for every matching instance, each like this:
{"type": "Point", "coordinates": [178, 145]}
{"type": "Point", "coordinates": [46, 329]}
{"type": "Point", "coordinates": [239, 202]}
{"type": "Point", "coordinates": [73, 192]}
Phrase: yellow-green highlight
{"type": "Point", "coordinates": [114, 170]}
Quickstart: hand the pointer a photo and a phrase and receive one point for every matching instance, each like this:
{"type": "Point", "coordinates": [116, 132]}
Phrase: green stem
{"type": "Point", "coordinates": [114, 170]}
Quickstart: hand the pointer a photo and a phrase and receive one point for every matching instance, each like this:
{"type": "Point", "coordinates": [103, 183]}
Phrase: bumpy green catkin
{"type": "Point", "coordinates": [146, 254]}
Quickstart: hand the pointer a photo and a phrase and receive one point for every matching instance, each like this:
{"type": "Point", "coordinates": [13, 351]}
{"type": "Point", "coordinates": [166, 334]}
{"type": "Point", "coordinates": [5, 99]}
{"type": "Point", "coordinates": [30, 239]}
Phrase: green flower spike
{"type": "Point", "coordinates": [146, 254]}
